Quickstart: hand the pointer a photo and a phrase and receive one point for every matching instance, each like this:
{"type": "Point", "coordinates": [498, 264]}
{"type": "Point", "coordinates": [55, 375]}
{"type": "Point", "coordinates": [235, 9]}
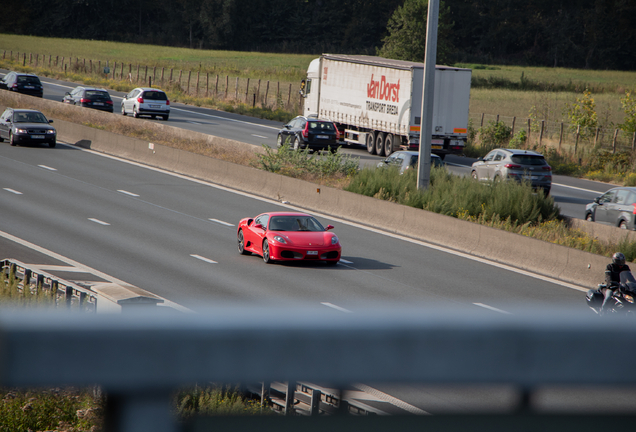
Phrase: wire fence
{"type": "Point", "coordinates": [561, 135]}
{"type": "Point", "coordinates": [252, 92]}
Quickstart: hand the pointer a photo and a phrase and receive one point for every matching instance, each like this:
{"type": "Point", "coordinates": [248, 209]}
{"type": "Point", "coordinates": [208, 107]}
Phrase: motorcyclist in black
{"type": "Point", "coordinates": [612, 276]}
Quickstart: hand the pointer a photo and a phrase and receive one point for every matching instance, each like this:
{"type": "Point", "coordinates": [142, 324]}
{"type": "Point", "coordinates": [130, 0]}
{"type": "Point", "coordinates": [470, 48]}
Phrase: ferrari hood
{"type": "Point", "coordinates": [307, 238]}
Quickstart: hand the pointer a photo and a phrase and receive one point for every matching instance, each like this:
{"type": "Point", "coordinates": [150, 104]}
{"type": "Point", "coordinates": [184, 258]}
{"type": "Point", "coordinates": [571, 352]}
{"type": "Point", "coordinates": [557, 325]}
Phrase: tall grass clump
{"type": "Point", "coordinates": [331, 168]}
{"type": "Point", "coordinates": [12, 295]}
{"type": "Point", "coordinates": [213, 400]}
{"type": "Point", "coordinates": [458, 196]}
{"type": "Point", "coordinates": [50, 410]}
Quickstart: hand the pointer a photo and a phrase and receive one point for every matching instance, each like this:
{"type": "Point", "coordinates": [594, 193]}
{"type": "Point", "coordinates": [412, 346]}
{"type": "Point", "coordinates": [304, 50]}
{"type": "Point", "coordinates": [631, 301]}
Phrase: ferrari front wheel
{"type": "Point", "coordinates": [266, 257]}
{"type": "Point", "coordinates": [241, 244]}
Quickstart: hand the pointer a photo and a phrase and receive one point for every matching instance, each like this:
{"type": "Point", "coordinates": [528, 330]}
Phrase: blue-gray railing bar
{"type": "Point", "coordinates": [68, 292]}
{"type": "Point", "coordinates": [139, 359]}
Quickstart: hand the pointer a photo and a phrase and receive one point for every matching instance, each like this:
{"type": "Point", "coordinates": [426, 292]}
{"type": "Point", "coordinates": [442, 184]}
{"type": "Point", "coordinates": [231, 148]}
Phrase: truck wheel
{"type": "Point", "coordinates": [388, 144]}
{"type": "Point", "coordinates": [371, 142]}
{"type": "Point", "coordinates": [379, 144]}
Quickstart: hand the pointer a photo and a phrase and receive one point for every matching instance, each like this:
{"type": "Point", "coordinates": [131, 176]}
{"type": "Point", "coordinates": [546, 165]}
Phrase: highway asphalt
{"type": "Point", "coordinates": [176, 237]}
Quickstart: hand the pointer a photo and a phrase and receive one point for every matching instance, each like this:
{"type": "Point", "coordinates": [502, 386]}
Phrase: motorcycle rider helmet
{"type": "Point", "coordinates": [618, 258]}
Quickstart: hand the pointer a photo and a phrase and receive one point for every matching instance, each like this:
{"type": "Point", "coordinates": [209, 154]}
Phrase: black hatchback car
{"type": "Point", "coordinates": [616, 207]}
{"type": "Point", "coordinates": [310, 132]}
{"type": "Point", "coordinates": [89, 97]}
{"type": "Point", "coordinates": [22, 82]}
{"type": "Point", "coordinates": [24, 126]}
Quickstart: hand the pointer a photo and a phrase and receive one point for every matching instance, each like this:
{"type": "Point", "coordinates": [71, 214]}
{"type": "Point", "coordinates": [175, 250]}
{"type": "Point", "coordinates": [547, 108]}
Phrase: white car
{"type": "Point", "coordinates": [144, 101]}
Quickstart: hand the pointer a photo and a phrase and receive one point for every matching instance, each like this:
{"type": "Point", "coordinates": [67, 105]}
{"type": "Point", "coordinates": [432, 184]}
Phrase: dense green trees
{"type": "Point", "coordinates": [598, 34]}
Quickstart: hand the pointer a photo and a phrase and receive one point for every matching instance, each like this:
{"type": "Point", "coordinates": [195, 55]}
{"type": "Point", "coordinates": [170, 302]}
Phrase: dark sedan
{"type": "Point", "coordinates": [22, 82]}
{"type": "Point", "coordinates": [89, 97]}
{"type": "Point", "coordinates": [616, 207]}
{"type": "Point", "coordinates": [309, 132]}
{"type": "Point", "coordinates": [24, 126]}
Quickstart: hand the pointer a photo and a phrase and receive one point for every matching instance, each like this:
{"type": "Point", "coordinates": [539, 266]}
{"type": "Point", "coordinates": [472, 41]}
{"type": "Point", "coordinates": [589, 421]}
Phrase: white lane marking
{"type": "Point", "coordinates": [127, 193]}
{"type": "Point", "coordinates": [353, 224]}
{"type": "Point", "coordinates": [577, 188]}
{"type": "Point", "coordinates": [13, 191]}
{"type": "Point", "coordinates": [221, 222]}
{"type": "Point", "coordinates": [76, 264]}
{"type": "Point", "coordinates": [98, 221]}
{"type": "Point", "coordinates": [194, 123]}
{"type": "Point", "coordinates": [390, 399]}
{"type": "Point", "coordinates": [345, 261]}
{"type": "Point", "coordinates": [259, 136]}
{"type": "Point", "coordinates": [333, 306]}
{"type": "Point", "coordinates": [492, 308]}
{"type": "Point", "coordinates": [224, 118]}
{"type": "Point", "coordinates": [47, 167]}
{"type": "Point", "coordinates": [199, 257]}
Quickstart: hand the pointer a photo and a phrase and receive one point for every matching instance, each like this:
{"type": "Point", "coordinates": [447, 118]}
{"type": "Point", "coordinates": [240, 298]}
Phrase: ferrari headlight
{"type": "Point", "coordinates": [279, 239]}
{"type": "Point", "coordinates": [629, 298]}
{"type": "Point", "coordinates": [334, 240]}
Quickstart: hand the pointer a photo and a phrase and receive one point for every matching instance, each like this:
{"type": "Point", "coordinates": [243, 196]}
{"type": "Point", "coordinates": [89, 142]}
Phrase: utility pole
{"type": "Point", "coordinates": [426, 127]}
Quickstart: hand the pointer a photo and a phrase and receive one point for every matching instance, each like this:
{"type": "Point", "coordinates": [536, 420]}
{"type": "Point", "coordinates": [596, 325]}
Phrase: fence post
{"type": "Point", "coordinates": [50, 58]}
{"type": "Point", "coordinates": [634, 142]}
{"type": "Point", "coordinates": [180, 73]}
{"type": "Point", "coordinates": [121, 73]}
{"type": "Point", "coordinates": [576, 141]}
{"type": "Point", "coordinates": [482, 120]}
{"type": "Point", "coordinates": [114, 69]}
{"type": "Point", "coordinates": [24, 59]}
{"type": "Point", "coordinates": [154, 73]}
{"type": "Point", "coordinates": [596, 136]}
{"type": "Point", "coordinates": [497, 120]}
{"type": "Point", "coordinates": [512, 132]}
{"type": "Point", "coordinates": [266, 92]}
{"type": "Point", "coordinates": [30, 59]}
{"type": "Point", "coordinates": [170, 80]}
{"type": "Point", "coordinates": [227, 84]}
{"type": "Point", "coordinates": [529, 129]}
{"type": "Point", "coordinates": [258, 90]}
{"type": "Point", "coordinates": [198, 76]}
{"type": "Point", "coordinates": [289, 96]}
{"type": "Point", "coordinates": [289, 398]}
{"type": "Point", "coordinates": [216, 86]}
{"type": "Point", "coordinates": [541, 133]}
{"type": "Point", "coordinates": [189, 78]}
{"type": "Point", "coordinates": [247, 89]}
{"type": "Point", "coordinates": [236, 89]}
{"type": "Point", "coordinates": [162, 74]}
{"type": "Point", "coordinates": [254, 101]}
{"type": "Point", "coordinates": [207, 84]}
{"type": "Point", "coordinates": [560, 136]}
{"type": "Point", "coordinates": [614, 141]}
{"type": "Point", "coordinates": [146, 74]}
{"type": "Point", "coordinates": [137, 80]}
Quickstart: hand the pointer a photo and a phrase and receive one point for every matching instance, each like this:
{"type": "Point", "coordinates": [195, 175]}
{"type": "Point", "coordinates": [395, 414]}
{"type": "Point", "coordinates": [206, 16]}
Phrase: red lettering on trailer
{"type": "Point", "coordinates": [383, 90]}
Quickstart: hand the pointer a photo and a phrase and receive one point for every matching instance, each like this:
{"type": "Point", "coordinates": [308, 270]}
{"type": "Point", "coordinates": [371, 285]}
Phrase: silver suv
{"type": "Point", "coordinates": [513, 164]}
{"type": "Point", "coordinates": [144, 101]}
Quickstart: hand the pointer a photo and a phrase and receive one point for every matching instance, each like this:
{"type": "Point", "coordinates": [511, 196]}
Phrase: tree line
{"type": "Point", "coordinates": [596, 34]}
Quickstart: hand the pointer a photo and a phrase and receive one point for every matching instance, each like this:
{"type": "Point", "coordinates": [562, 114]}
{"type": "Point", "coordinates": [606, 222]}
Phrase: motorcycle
{"type": "Point", "coordinates": [623, 296]}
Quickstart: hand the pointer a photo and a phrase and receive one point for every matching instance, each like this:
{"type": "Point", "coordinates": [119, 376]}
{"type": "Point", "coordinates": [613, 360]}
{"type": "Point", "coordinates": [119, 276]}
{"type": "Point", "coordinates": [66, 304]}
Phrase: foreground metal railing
{"type": "Point", "coordinates": [69, 294]}
{"type": "Point", "coordinates": [139, 359]}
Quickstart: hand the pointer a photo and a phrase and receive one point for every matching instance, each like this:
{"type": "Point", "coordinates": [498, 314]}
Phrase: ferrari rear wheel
{"type": "Point", "coordinates": [241, 244]}
{"type": "Point", "coordinates": [266, 256]}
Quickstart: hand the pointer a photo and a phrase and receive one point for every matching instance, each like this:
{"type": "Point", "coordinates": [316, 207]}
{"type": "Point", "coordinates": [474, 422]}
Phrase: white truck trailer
{"type": "Point", "coordinates": [376, 102]}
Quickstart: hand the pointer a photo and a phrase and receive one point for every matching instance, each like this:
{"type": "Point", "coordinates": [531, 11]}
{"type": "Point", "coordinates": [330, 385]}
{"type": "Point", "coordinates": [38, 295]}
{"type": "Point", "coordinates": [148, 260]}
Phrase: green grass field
{"type": "Point", "coordinates": [495, 88]}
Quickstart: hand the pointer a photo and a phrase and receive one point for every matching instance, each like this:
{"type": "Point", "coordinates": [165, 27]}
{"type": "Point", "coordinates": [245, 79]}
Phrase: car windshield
{"type": "Point", "coordinates": [97, 95]}
{"type": "Point", "coordinates": [155, 95]}
{"type": "Point", "coordinates": [28, 80]}
{"type": "Point", "coordinates": [528, 160]}
{"type": "Point", "coordinates": [29, 117]}
{"type": "Point", "coordinates": [294, 223]}
{"type": "Point", "coordinates": [321, 126]}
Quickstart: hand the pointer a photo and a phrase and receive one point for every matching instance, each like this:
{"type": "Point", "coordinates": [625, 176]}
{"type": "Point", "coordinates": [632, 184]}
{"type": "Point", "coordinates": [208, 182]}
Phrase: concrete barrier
{"type": "Point", "coordinates": [570, 265]}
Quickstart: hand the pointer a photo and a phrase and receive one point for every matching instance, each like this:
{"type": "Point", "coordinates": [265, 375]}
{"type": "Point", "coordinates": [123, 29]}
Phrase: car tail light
{"type": "Point", "coordinates": [547, 168]}
{"type": "Point", "coordinates": [84, 100]}
{"type": "Point", "coordinates": [167, 102]}
{"type": "Point", "coordinates": [15, 85]}
{"type": "Point", "coordinates": [110, 102]}
{"type": "Point", "coordinates": [140, 99]}
{"type": "Point", "coordinates": [306, 130]}
{"type": "Point", "coordinates": [512, 166]}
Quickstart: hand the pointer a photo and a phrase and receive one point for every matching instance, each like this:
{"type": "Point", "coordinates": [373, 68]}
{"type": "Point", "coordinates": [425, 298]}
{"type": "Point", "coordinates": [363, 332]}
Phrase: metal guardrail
{"type": "Point", "coordinates": [69, 294]}
{"type": "Point", "coordinates": [140, 359]}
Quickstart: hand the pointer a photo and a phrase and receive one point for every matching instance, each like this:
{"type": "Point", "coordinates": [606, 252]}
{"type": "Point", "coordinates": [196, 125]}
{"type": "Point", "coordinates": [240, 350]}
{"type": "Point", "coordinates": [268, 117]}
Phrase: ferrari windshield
{"type": "Point", "coordinates": [294, 223]}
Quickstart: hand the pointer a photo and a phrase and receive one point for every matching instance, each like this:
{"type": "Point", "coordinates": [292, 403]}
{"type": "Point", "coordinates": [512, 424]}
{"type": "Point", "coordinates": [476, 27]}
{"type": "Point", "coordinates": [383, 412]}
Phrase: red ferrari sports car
{"type": "Point", "coordinates": [286, 236]}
